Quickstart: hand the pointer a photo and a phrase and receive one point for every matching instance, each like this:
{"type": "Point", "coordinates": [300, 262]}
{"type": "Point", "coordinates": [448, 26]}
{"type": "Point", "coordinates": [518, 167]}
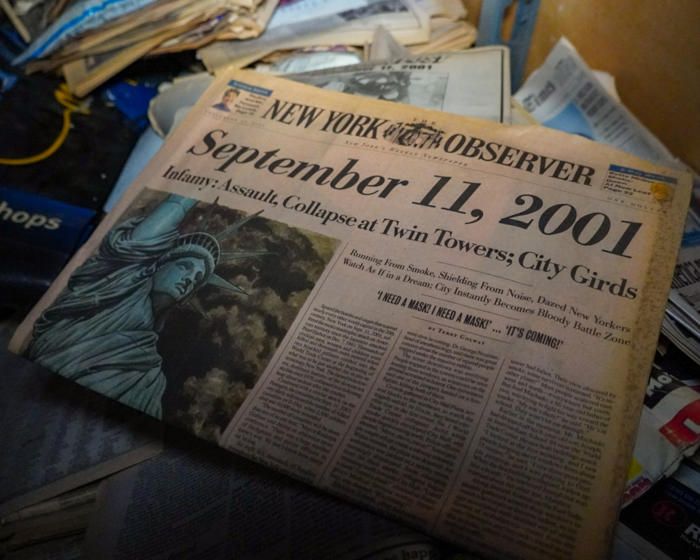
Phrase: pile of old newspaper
{"type": "Point", "coordinates": [91, 40]}
{"type": "Point", "coordinates": [80, 498]}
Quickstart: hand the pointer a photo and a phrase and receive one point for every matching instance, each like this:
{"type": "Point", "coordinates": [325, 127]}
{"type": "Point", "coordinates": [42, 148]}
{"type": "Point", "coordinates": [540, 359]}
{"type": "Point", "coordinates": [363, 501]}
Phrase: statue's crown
{"type": "Point", "coordinates": [197, 244]}
{"type": "Point", "coordinates": [207, 247]}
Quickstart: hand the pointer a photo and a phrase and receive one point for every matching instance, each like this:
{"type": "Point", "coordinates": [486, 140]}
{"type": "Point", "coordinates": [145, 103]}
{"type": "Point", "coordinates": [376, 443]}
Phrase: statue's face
{"type": "Point", "coordinates": [180, 277]}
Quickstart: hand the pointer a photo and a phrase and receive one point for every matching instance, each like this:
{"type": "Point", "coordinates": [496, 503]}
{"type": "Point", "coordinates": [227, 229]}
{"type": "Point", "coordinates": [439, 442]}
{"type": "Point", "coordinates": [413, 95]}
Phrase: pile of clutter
{"type": "Point", "coordinates": [411, 51]}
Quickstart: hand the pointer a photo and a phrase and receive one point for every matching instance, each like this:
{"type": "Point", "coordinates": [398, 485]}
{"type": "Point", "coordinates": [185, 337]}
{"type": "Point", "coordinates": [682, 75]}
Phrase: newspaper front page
{"type": "Point", "coordinates": [445, 319]}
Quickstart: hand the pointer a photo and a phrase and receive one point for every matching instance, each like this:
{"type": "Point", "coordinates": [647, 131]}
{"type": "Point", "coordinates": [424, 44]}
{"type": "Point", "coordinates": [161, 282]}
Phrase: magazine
{"type": "Point", "coordinates": [444, 319]}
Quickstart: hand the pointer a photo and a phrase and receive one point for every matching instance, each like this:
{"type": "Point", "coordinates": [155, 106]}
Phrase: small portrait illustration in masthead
{"type": "Point", "coordinates": [227, 99]}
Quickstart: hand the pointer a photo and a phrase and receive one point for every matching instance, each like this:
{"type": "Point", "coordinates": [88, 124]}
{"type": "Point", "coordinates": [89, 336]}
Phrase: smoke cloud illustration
{"type": "Point", "coordinates": [215, 350]}
{"type": "Point", "coordinates": [213, 397]}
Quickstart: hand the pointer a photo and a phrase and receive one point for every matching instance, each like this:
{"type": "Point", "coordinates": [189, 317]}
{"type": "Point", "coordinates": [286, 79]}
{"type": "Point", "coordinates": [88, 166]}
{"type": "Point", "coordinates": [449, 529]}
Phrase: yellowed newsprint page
{"type": "Point", "coordinates": [445, 319]}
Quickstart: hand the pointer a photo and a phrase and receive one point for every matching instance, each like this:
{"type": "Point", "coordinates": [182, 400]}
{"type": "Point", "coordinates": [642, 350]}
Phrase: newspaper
{"type": "Point", "coordinates": [85, 74]}
{"type": "Point", "coordinates": [313, 22]}
{"type": "Point", "coordinates": [225, 508]}
{"type": "Point", "coordinates": [567, 95]}
{"type": "Point", "coordinates": [67, 548]}
{"type": "Point", "coordinates": [51, 529]}
{"type": "Point", "coordinates": [444, 319]}
{"type": "Point", "coordinates": [63, 435]}
{"type": "Point", "coordinates": [682, 336]}
{"type": "Point", "coordinates": [573, 98]}
{"type": "Point", "coordinates": [682, 322]}
{"type": "Point", "coordinates": [313, 58]}
{"type": "Point", "coordinates": [80, 17]}
{"type": "Point", "coordinates": [669, 428]}
{"type": "Point", "coordinates": [471, 83]}
{"type": "Point", "coordinates": [685, 292]}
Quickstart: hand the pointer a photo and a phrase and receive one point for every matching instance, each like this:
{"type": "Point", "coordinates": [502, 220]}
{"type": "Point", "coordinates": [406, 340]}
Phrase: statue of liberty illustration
{"type": "Point", "coordinates": [102, 330]}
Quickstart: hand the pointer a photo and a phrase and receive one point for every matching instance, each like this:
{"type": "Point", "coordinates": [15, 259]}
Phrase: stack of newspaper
{"type": "Point", "coordinates": [297, 27]}
{"type": "Point", "coordinates": [91, 40]}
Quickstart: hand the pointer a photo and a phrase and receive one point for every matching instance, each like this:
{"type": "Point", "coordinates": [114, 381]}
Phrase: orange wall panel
{"type": "Point", "coordinates": [652, 47]}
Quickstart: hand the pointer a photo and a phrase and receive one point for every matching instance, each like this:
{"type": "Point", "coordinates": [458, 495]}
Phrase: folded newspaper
{"type": "Point", "coordinates": [682, 321]}
{"type": "Point", "coordinates": [445, 319]}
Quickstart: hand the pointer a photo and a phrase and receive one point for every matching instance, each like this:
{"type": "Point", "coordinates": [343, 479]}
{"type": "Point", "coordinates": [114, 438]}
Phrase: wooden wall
{"type": "Point", "coordinates": [652, 47]}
